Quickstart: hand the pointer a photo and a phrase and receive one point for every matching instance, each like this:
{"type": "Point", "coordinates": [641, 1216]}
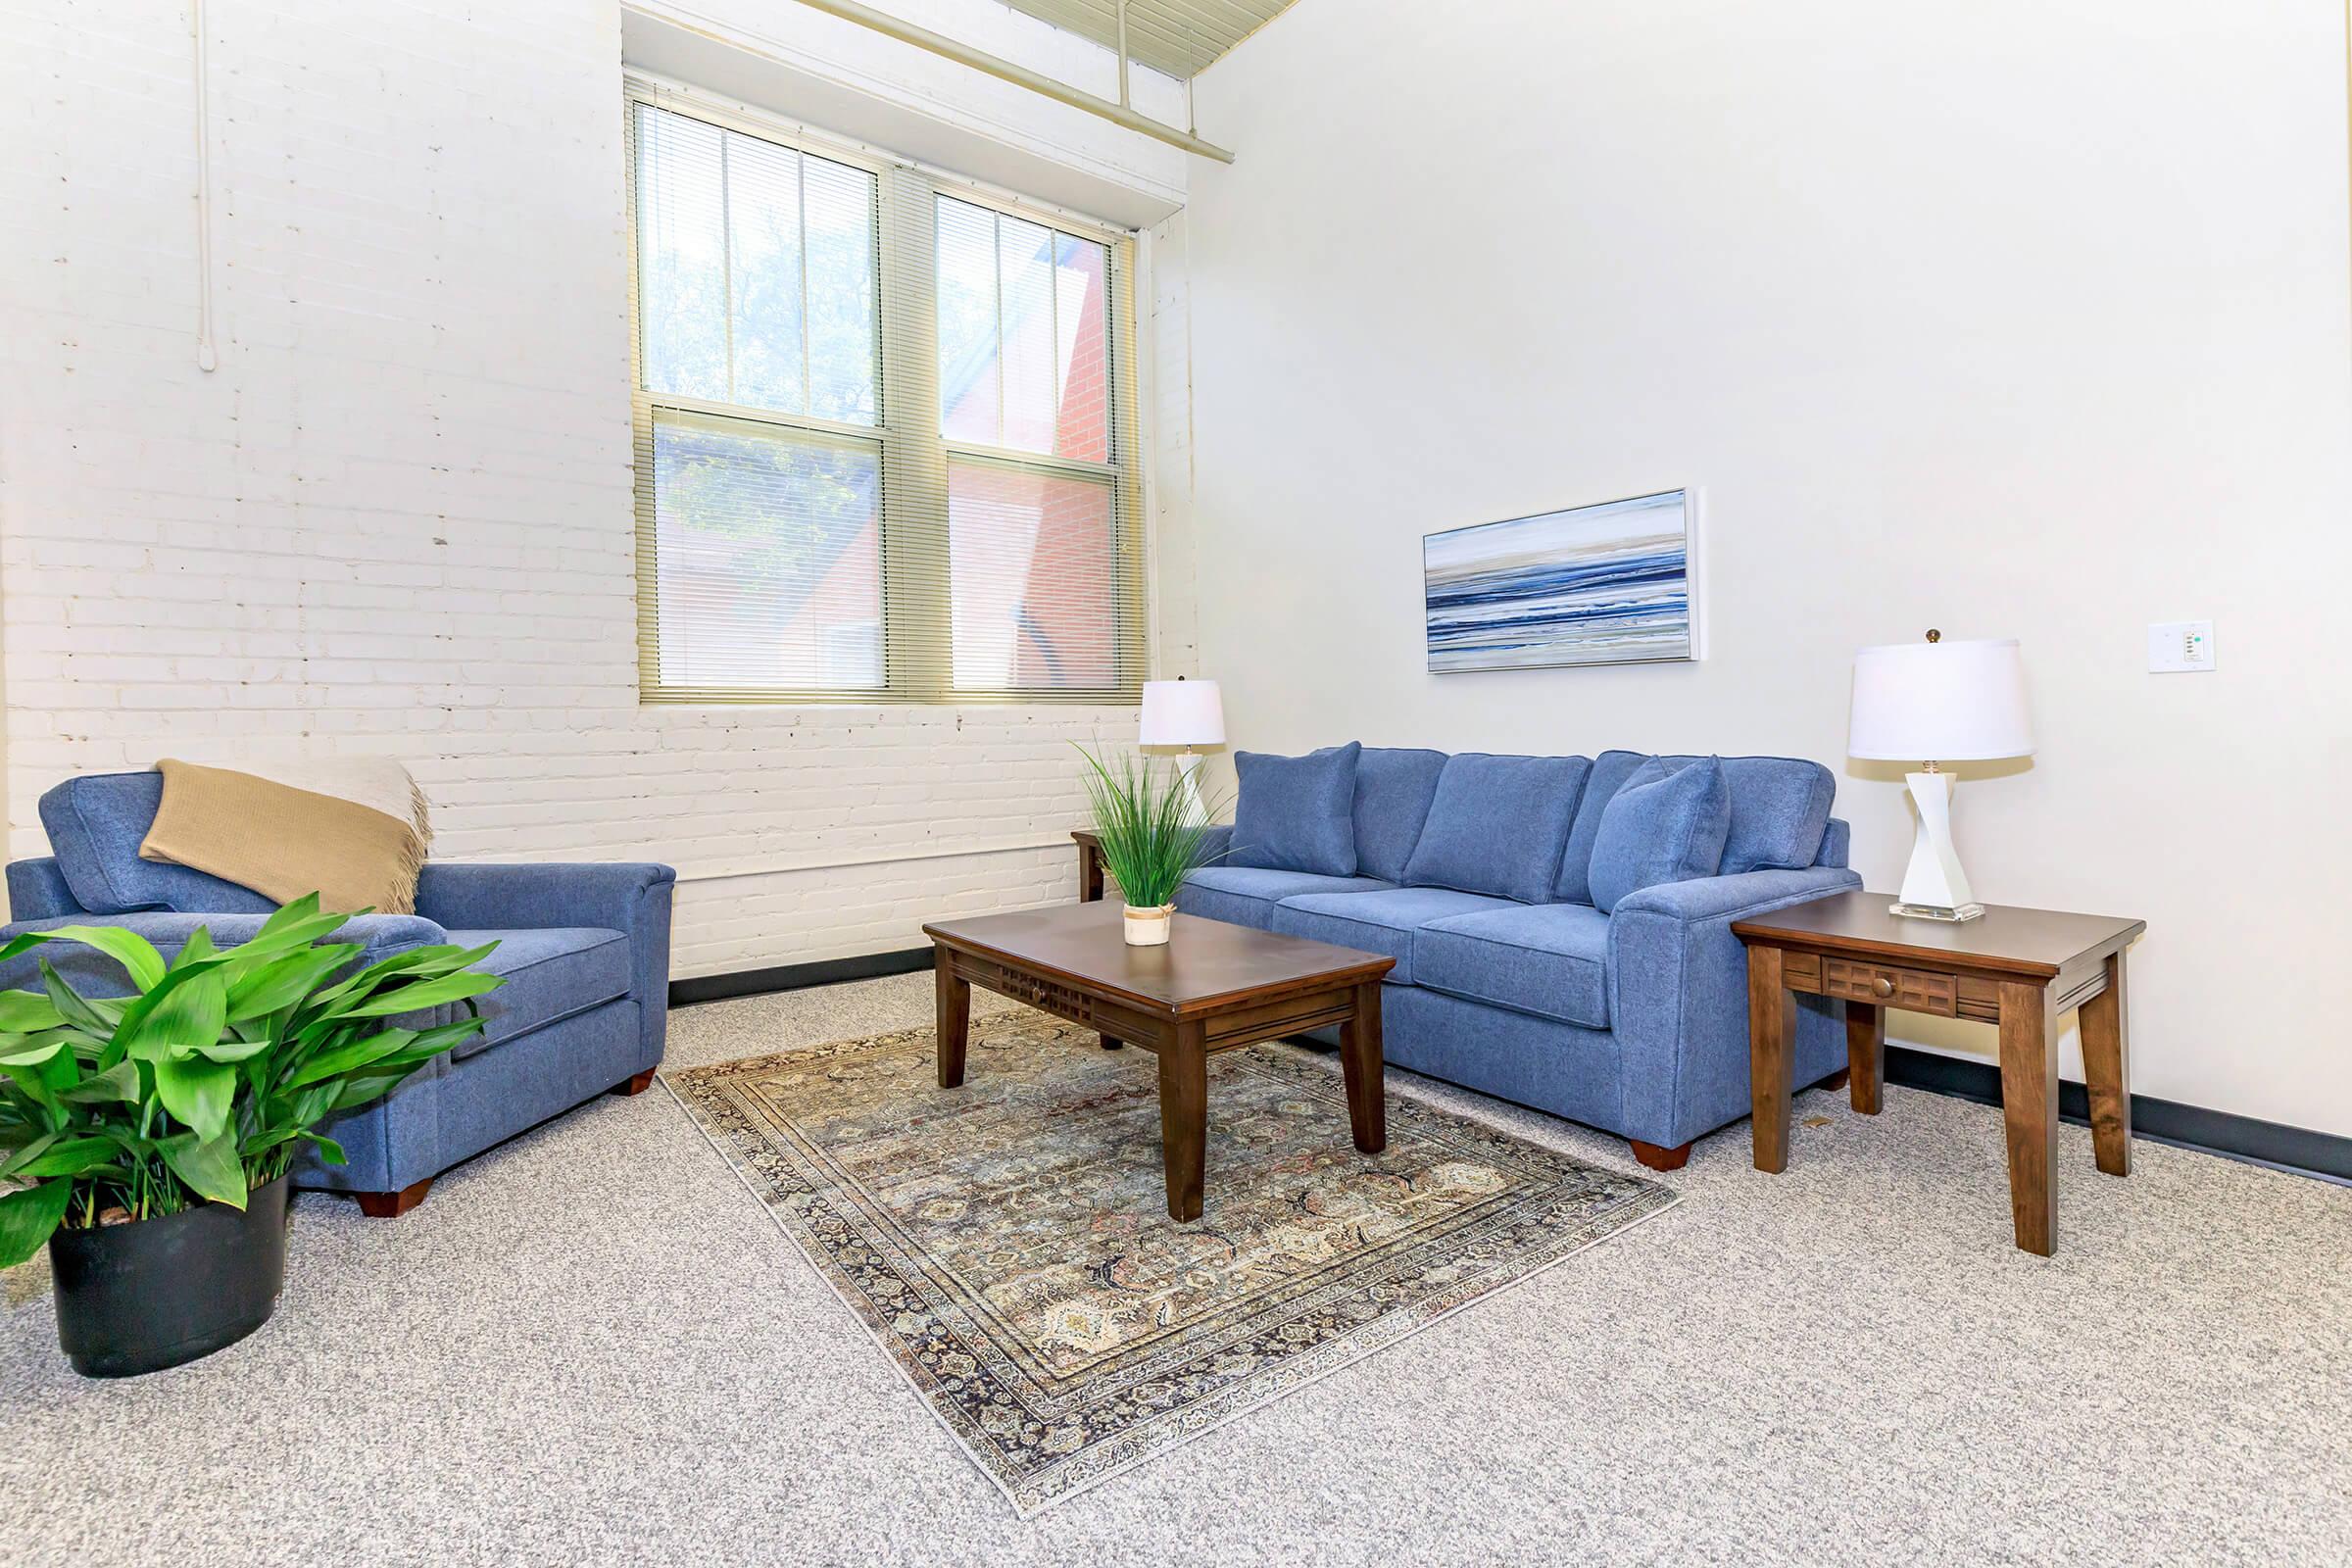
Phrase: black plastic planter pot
{"type": "Point", "coordinates": [133, 1298]}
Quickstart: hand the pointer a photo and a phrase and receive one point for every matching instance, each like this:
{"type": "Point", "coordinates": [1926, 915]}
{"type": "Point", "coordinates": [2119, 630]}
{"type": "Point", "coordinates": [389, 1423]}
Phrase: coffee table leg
{"type": "Point", "coordinates": [1184, 1116]}
{"type": "Point", "coordinates": [1360, 1066]}
{"type": "Point", "coordinates": [953, 1018]}
{"type": "Point", "coordinates": [1771, 1020]}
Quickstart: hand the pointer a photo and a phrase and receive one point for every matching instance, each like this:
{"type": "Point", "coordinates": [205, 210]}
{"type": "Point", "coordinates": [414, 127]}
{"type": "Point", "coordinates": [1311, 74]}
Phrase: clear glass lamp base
{"type": "Point", "coordinates": [1937, 912]}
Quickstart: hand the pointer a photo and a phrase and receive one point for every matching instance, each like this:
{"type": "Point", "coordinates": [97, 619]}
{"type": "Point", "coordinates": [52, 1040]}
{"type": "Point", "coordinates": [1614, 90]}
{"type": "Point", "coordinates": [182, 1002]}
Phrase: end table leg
{"type": "Point", "coordinates": [1771, 1021]}
{"type": "Point", "coordinates": [1360, 1066]}
{"type": "Point", "coordinates": [1184, 1117]}
{"type": "Point", "coordinates": [2107, 1072]}
{"type": "Point", "coordinates": [952, 1017]}
{"type": "Point", "coordinates": [1865, 1054]}
{"type": "Point", "coordinates": [2030, 1108]}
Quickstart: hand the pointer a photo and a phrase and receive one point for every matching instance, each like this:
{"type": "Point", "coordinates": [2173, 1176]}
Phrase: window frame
{"type": "Point", "coordinates": [913, 451]}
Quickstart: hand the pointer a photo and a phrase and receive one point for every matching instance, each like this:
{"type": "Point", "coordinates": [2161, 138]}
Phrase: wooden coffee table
{"type": "Point", "coordinates": [1214, 987]}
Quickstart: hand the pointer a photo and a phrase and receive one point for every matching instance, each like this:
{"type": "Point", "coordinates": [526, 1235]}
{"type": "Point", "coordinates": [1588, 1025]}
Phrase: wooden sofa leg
{"type": "Point", "coordinates": [1837, 1081]}
{"type": "Point", "coordinates": [637, 1085]}
{"type": "Point", "coordinates": [391, 1205]}
{"type": "Point", "coordinates": [1657, 1158]}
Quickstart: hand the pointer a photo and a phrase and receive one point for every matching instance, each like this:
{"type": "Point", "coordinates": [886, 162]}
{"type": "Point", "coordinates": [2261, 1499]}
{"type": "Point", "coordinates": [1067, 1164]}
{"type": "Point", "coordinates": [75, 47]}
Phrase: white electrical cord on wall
{"type": "Point", "coordinates": [207, 358]}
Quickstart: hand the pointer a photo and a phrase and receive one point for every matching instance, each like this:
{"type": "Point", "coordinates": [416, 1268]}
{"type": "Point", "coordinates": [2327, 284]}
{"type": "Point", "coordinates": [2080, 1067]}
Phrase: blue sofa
{"type": "Point", "coordinates": [584, 950]}
{"type": "Point", "coordinates": [1472, 872]}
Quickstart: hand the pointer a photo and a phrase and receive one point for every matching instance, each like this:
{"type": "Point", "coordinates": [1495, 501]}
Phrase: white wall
{"type": "Point", "coordinates": [398, 517]}
{"type": "Point", "coordinates": [2025, 317]}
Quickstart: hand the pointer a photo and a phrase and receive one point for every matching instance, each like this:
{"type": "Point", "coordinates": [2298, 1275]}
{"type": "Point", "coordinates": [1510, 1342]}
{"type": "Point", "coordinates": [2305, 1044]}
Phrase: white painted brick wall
{"type": "Point", "coordinates": [398, 519]}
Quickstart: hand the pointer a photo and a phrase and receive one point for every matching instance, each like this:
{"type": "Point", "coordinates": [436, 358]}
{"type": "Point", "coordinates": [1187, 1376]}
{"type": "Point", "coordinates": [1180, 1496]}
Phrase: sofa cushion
{"type": "Point", "coordinates": [1780, 812]}
{"type": "Point", "coordinates": [1244, 894]}
{"type": "Point", "coordinates": [1550, 960]}
{"type": "Point", "coordinates": [1610, 770]}
{"type": "Point", "coordinates": [1497, 825]}
{"type": "Point", "coordinates": [1375, 922]}
{"type": "Point", "coordinates": [1296, 814]}
{"type": "Point", "coordinates": [550, 974]}
{"type": "Point", "coordinates": [1667, 825]}
{"type": "Point", "coordinates": [95, 824]}
{"type": "Point", "coordinates": [1394, 788]}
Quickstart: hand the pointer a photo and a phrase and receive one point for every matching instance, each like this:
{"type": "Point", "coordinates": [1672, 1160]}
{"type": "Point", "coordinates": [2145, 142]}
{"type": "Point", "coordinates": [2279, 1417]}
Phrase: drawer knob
{"type": "Point", "coordinates": [1881, 984]}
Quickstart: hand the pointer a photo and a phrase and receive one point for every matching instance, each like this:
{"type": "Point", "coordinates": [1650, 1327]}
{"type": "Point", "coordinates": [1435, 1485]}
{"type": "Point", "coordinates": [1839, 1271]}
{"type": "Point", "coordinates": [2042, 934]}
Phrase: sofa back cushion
{"type": "Point", "coordinates": [95, 824]}
{"type": "Point", "coordinates": [1497, 825]}
{"type": "Point", "coordinates": [1667, 825]}
{"type": "Point", "coordinates": [1780, 812]}
{"type": "Point", "coordinates": [1296, 814]}
{"type": "Point", "coordinates": [1610, 770]}
{"type": "Point", "coordinates": [1393, 789]}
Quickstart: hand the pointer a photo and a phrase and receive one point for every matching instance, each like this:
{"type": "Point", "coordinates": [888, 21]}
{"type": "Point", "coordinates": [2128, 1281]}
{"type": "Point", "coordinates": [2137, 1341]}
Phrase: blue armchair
{"type": "Point", "coordinates": [584, 950]}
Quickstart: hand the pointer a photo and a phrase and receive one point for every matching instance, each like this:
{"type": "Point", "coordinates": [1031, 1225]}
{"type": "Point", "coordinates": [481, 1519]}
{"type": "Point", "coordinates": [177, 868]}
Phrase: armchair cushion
{"type": "Point", "coordinates": [1550, 960]}
{"type": "Point", "coordinates": [95, 824]}
{"type": "Point", "coordinates": [1296, 814]}
{"type": "Point", "coordinates": [550, 974]}
{"type": "Point", "coordinates": [1497, 825]}
{"type": "Point", "coordinates": [381, 936]}
{"type": "Point", "coordinates": [1375, 922]}
{"type": "Point", "coordinates": [1666, 824]}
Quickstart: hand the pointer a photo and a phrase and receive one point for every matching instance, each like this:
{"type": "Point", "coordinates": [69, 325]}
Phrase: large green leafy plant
{"type": "Point", "coordinates": [1153, 830]}
{"type": "Point", "coordinates": [208, 1080]}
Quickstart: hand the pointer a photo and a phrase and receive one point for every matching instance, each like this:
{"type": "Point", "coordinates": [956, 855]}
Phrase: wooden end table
{"type": "Point", "coordinates": [2015, 968]}
{"type": "Point", "coordinates": [1090, 864]}
{"type": "Point", "coordinates": [1213, 987]}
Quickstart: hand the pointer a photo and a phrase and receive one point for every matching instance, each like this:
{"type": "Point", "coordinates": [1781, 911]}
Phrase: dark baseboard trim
{"type": "Point", "coordinates": [796, 976]}
{"type": "Point", "coordinates": [2167, 1121]}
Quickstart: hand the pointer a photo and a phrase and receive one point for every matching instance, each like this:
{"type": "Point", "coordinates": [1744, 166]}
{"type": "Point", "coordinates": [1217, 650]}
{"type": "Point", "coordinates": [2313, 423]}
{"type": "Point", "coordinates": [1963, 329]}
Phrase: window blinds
{"type": "Point", "coordinates": [885, 433]}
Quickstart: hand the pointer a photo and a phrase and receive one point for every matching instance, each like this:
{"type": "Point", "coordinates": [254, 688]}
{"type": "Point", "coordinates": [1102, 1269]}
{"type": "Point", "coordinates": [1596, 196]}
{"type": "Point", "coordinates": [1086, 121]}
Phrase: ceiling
{"type": "Point", "coordinates": [1176, 37]}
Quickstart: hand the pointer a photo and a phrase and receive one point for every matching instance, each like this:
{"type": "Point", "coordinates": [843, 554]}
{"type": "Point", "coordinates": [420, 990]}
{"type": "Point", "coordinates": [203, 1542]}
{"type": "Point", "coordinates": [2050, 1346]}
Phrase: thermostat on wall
{"type": "Point", "coordinates": [2179, 646]}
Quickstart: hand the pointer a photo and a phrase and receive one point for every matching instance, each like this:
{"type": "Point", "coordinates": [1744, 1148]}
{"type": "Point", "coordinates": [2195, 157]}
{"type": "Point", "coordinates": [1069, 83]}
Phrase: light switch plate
{"type": "Point", "coordinates": [2180, 647]}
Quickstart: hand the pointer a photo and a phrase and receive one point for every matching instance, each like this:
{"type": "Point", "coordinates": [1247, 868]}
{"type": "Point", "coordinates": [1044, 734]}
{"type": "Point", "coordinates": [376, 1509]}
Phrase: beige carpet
{"type": "Point", "coordinates": [1008, 1242]}
{"type": "Point", "coordinates": [587, 1347]}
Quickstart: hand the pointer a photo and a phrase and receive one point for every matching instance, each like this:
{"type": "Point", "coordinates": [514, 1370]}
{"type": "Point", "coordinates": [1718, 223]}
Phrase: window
{"type": "Point", "coordinates": [885, 434]}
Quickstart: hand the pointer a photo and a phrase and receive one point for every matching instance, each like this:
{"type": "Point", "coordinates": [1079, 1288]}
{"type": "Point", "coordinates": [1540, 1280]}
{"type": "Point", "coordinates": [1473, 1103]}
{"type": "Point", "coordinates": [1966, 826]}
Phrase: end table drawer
{"type": "Point", "coordinates": [1913, 990]}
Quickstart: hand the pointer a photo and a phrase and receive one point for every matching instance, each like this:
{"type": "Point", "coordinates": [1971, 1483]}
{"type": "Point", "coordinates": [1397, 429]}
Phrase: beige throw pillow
{"type": "Point", "coordinates": [343, 836]}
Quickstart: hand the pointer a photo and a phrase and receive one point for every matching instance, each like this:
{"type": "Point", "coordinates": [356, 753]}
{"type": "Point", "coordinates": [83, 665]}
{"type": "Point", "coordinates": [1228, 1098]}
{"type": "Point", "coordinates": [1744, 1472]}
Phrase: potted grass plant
{"type": "Point", "coordinates": [1153, 832]}
{"type": "Point", "coordinates": [147, 1139]}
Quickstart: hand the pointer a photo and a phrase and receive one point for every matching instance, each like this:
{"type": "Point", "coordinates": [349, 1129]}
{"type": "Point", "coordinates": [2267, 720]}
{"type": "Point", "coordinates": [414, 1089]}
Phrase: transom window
{"type": "Point", "coordinates": [885, 433]}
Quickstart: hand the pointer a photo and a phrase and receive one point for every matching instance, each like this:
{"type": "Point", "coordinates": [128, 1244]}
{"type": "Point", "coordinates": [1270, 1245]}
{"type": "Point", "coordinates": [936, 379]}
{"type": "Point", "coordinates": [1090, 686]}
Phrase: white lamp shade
{"type": "Point", "coordinates": [1945, 702]}
{"type": "Point", "coordinates": [1182, 712]}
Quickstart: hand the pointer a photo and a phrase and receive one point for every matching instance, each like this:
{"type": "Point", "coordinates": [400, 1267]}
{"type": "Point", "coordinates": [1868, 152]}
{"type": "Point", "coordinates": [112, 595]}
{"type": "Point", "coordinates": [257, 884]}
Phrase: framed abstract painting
{"type": "Point", "coordinates": [1607, 584]}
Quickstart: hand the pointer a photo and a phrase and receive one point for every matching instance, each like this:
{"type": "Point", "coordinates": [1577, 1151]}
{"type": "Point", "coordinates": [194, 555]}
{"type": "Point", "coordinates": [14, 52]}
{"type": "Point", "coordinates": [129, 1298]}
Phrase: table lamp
{"type": "Point", "coordinates": [1186, 714]}
{"type": "Point", "coordinates": [1937, 702]}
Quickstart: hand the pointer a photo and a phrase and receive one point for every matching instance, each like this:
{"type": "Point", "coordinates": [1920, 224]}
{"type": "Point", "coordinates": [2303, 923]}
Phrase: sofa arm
{"type": "Point", "coordinates": [463, 895]}
{"type": "Point", "coordinates": [38, 891]}
{"type": "Point", "coordinates": [95, 974]}
{"type": "Point", "coordinates": [632, 897]}
{"type": "Point", "coordinates": [1678, 999]}
{"type": "Point", "coordinates": [1711, 898]}
{"type": "Point", "coordinates": [1216, 844]}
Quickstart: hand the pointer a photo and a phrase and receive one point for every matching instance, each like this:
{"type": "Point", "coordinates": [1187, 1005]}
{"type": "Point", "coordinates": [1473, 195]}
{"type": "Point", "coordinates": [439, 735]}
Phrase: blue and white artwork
{"type": "Point", "coordinates": [1593, 585]}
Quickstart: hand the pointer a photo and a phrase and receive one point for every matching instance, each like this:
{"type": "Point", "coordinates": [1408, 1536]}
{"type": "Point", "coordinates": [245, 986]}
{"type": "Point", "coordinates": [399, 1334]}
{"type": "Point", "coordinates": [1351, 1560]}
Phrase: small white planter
{"type": "Point", "coordinates": [1149, 928]}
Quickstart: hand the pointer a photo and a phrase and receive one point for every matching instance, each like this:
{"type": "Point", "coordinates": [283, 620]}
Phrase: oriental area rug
{"type": "Point", "coordinates": [1008, 1244]}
